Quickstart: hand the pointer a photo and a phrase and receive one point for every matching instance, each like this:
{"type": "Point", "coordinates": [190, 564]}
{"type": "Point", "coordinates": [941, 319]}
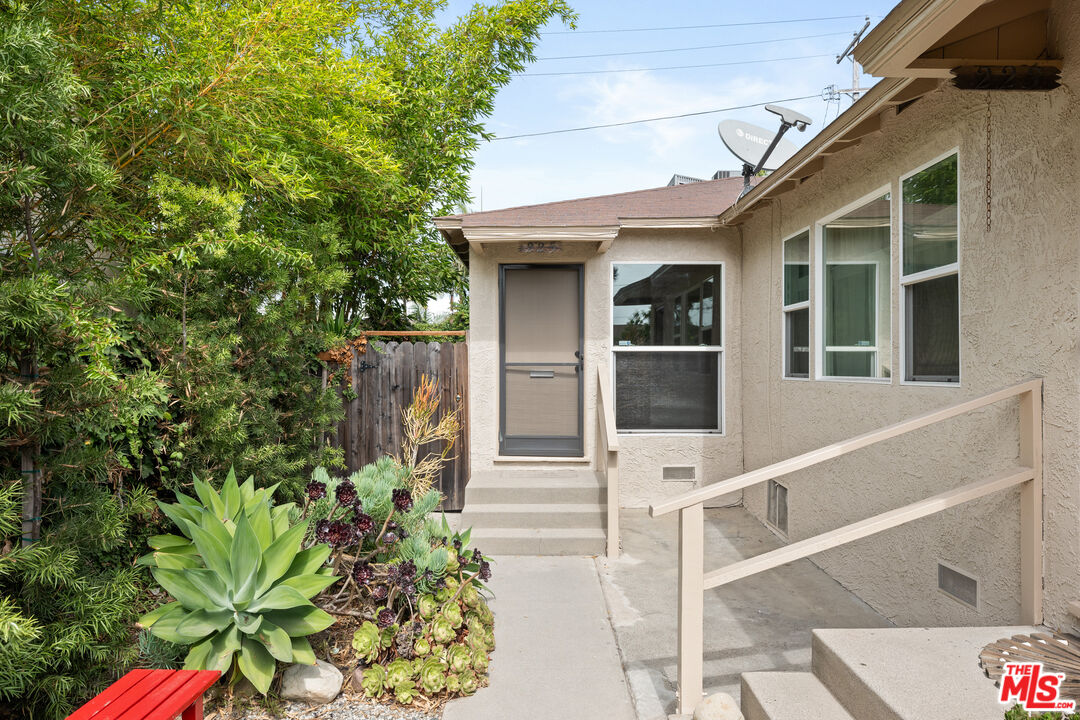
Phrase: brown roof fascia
{"type": "Point", "coordinates": [911, 28]}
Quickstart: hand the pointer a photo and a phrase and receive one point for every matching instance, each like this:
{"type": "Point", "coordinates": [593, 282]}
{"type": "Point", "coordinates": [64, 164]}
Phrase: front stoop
{"type": "Point", "coordinates": [883, 674]}
{"type": "Point", "coordinates": [536, 512]}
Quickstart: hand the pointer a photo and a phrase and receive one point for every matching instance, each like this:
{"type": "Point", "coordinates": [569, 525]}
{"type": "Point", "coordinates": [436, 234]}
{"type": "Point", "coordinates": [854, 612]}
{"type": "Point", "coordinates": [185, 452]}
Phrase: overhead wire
{"type": "Point", "coordinates": [697, 47]}
{"type": "Point", "coordinates": [653, 119]}
{"type": "Point", "coordinates": [672, 67]}
{"type": "Point", "coordinates": [701, 27]}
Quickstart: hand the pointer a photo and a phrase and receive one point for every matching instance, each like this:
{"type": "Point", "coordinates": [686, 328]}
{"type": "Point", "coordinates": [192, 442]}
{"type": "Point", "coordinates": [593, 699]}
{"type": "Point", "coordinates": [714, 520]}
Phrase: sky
{"type": "Point", "coordinates": [523, 171]}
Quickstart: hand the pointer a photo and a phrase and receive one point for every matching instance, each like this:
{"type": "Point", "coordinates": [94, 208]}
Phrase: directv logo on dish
{"type": "Point", "coordinates": [752, 138]}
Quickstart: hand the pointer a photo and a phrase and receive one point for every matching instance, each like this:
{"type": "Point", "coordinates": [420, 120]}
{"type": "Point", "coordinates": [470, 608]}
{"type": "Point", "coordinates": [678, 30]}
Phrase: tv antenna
{"type": "Point", "coordinates": [854, 91]}
{"type": "Point", "coordinates": [759, 148]}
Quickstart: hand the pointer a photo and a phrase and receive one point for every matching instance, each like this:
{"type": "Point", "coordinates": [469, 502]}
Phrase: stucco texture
{"type": "Point", "coordinates": [641, 457]}
{"type": "Point", "coordinates": [1019, 286]}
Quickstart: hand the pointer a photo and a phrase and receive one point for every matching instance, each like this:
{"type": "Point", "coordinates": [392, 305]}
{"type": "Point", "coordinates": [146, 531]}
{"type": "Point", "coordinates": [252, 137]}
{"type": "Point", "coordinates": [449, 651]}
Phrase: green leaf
{"type": "Point", "coordinates": [177, 562]}
{"type": "Point", "coordinates": [280, 516]}
{"type": "Point", "coordinates": [204, 622]}
{"type": "Point", "coordinates": [224, 645]}
{"type": "Point", "coordinates": [154, 615]}
{"type": "Point", "coordinates": [281, 597]}
{"type": "Point", "coordinates": [308, 561]}
{"type": "Point", "coordinates": [210, 498]}
{"type": "Point", "coordinates": [213, 552]}
{"type": "Point", "coordinates": [279, 557]}
{"type": "Point", "coordinates": [247, 490]}
{"type": "Point", "coordinates": [310, 585]}
{"type": "Point", "coordinates": [160, 542]}
{"type": "Point", "coordinates": [302, 652]}
{"type": "Point", "coordinates": [248, 623]}
{"type": "Point", "coordinates": [275, 639]}
{"type": "Point", "coordinates": [244, 559]}
{"type": "Point", "coordinates": [230, 494]}
{"type": "Point", "coordinates": [208, 583]}
{"type": "Point", "coordinates": [301, 621]}
{"type": "Point", "coordinates": [262, 525]}
{"type": "Point", "coordinates": [178, 584]}
{"type": "Point", "coordinates": [257, 664]}
{"type": "Point", "coordinates": [198, 655]}
{"type": "Point", "coordinates": [180, 518]}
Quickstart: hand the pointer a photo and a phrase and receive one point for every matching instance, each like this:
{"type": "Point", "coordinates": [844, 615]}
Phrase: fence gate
{"type": "Point", "coordinates": [384, 377]}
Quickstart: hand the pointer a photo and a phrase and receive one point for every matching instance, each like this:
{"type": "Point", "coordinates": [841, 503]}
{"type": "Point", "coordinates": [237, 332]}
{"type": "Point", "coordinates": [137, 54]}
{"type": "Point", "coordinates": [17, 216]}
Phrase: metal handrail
{"type": "Point", "coordinates": [693, 580]}
{"type": "Point", "coordinates": [607, 456]}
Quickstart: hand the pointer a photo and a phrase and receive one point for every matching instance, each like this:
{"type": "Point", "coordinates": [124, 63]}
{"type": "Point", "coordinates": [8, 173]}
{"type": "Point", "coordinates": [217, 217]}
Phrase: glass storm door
{"type": "Point", "coordinates": [540, 348]}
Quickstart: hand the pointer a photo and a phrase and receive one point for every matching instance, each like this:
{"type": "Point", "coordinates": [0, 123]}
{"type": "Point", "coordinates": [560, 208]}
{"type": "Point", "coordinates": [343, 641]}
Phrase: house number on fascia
{"type": "Point", "coordinates": [539, 247]}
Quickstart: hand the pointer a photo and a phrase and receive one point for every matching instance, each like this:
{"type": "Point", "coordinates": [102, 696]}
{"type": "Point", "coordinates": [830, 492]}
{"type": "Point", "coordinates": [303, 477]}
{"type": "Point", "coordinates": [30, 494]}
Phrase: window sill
{"type": "Point", "coordinates": [540, 459]}
{"type": "Point", "coordinates": [928, 383]}
{"type": "Point", "coordinates": [857, 381]}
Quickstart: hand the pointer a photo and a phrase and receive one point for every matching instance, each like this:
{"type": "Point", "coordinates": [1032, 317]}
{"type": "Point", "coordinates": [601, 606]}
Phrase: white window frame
{"type": "Point", "coordinates": [904, 281]}
{"type": "Point", "coordinates": [819, 290]}
{"type": "Point", "coordinates": [721, 365]}
{"type": "Point", "coordinates": [805, 305]}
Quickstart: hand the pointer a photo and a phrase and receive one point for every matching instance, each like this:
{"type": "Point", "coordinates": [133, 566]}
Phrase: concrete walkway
{"type": "Point", "coordinates": [758, 623]}
{"type": "Point", "coordinates": [555, 656]}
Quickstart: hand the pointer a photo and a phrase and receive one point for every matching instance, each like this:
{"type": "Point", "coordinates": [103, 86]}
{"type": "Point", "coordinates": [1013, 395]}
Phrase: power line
{"type": "Point", "coordinates": [699, 27]}
{"type": "Point", "coordinates": [654, 119]}
{"type": "Point", "coordinates": [671, 67]}
{"type": "Point", "coordinates": [698, 47]}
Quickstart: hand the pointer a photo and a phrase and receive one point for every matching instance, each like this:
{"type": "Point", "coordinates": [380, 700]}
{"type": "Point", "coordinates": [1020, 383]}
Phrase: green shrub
{"type": "Point", "coordinates": [1018, 713]}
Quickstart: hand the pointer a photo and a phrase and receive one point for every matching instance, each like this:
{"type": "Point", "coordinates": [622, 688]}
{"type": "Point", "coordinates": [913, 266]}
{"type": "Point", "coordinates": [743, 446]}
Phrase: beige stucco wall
{"type": "Point", "coordinates": [641, 456]}
{"type": "Point", "coordinates": [1019, 302]}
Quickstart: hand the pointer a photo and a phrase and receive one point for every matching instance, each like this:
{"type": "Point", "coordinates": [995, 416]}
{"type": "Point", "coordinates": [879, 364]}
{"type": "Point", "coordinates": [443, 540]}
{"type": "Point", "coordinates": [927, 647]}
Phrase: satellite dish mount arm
{"type": "Point", "coordinates": [788, 119]}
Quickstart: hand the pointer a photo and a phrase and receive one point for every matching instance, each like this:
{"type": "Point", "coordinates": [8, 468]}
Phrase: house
{"type": "Point", "coordinates": [922, 251]}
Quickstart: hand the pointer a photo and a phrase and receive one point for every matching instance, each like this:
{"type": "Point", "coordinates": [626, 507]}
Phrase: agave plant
{"type": "Point", "coordinates": [241, 583]}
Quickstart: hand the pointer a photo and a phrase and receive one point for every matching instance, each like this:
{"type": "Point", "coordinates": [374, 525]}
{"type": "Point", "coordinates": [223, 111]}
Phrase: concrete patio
{"type": "Point", "coordinates": [585, 638]}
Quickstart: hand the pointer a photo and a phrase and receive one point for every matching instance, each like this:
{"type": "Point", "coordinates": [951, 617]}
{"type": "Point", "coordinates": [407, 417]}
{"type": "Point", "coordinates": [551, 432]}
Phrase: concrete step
{"type": "Point", "coordinates": [538, 541]}
{"type": "Point", "coordinates": [556, 515]}
{"type": "Point", "coordinates": [788, 696]}
{"type": "Point", "coordinates": [548, 487]}
{"type": "Point", "coordinates": [909, 673]}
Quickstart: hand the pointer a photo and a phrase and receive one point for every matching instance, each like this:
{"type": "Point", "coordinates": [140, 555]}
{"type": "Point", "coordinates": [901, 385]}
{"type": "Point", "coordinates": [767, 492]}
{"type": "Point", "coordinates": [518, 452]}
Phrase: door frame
{"type": "Point", "coordinates": [542, 445]}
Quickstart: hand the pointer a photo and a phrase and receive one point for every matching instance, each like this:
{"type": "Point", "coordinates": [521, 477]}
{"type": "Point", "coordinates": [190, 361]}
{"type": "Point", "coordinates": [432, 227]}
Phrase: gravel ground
{"type": "Point", "coordinates": [345, 707]}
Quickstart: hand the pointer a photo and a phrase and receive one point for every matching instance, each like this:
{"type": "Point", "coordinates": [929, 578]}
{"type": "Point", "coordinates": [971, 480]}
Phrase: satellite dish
{"type": "Point", "coordinates": [749, 143]}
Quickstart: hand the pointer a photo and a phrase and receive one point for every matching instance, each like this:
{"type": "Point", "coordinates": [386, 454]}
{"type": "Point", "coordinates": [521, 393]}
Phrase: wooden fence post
{"type": "Point", "coordinates": [691, 606]}
{"type": "Point", "coordinates": [1031, 520]}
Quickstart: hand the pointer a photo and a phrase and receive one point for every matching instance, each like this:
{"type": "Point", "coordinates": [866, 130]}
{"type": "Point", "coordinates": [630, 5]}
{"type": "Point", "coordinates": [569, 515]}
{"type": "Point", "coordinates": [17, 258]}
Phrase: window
{"type": "Point", "coordinates": [855, 309]}
{"type": "Point", "coordinates": [667, 342]}
{"type": "Point", "coordinates": [797, 306]}
{"type": "Point", "coordinates": [930, 279]}
{"type": "Point", "coordinates": [777, 510]}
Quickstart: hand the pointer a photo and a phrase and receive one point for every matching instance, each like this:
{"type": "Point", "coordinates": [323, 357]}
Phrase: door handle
{"type": "Point", "coordinates": [541, 373]}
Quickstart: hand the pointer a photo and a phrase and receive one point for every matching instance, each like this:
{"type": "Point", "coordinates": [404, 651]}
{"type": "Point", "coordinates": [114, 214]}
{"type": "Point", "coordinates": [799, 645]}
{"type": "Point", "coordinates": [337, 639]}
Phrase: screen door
{"type": "Point", "coordinates": [540, 348]}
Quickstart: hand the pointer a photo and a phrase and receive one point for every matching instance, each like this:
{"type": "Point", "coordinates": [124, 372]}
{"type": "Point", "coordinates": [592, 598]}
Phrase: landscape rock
{"type": "Point", "coordinates": [720, 706]}
{"type": "Point", "coordinates": [317, 684]}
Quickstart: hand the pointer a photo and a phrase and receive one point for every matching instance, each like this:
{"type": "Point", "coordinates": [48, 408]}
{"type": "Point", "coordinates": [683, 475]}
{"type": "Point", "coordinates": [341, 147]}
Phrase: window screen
{"type": "Point", "coordinates": [667, 391]}
{"type": "Point", "coordinates": [797, 306]}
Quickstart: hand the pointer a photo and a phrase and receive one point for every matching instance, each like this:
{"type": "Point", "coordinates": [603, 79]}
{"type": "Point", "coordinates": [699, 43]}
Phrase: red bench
{"type": "Point", "coordinates": [151, 695]}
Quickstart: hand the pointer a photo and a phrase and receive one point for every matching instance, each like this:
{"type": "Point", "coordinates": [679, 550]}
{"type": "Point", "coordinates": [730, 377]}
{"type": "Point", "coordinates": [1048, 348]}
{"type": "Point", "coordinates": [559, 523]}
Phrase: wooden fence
{"type": "Point", "coordinates": [384, 377]}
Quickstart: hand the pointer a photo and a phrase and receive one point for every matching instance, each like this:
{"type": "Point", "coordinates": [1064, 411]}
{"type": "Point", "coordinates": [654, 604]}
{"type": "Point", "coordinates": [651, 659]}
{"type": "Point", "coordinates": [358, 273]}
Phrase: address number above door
{"type": "Point", "coordinates": [540, 247]}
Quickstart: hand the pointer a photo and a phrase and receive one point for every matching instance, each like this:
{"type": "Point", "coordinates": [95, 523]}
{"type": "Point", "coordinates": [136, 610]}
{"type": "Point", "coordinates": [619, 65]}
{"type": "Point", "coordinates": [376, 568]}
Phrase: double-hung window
{"type": "Point", "coordinates": [855, 306]}
{"type": "Point", "coordinates": [930, 276]}
{"type": "Point", "coordinates": [797, 306]}
{"type": "Point", "coordinates": [667, 347]}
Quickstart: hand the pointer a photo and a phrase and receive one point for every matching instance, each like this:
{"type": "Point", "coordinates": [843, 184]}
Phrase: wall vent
{"type": "Point", "coordinates": [777, 509]}
{"type": "Point", "coordinates": [957, 585]}
{"type": "Point", "coordinates": [682, 473]}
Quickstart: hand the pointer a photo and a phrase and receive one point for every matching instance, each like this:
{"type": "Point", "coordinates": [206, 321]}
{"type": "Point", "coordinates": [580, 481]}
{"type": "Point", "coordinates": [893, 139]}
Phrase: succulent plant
{"type": "Point", "coordinates": [245, 590]}
{"type": "Point", "coordinates": [366, 642]}
{"type": "Point", "coordinates": [397, 672]}
{"type": "Point", "coordinates": [345, 492]}
{"type": "Point", "coordinates": [427, 606]}
{"type": "Point", "coordinates": [362, 573]}
{"type": "Point", "coordinates": [475, 640]}
{"type": "Point", "coordinates": [374, 680]}
{"type": "Point", "coordinates": [388, 635]}
{"type": "Point", "coordinates": [386, 617]}
{"type": "Point", "coordinates": [442, 595]}
{"type": "Point", "coordinates": [379, 593]}
{"type": "Point", "coordinates": [470, 595]}
{"type": "Point", "coordinates": [457, 656]}
{"type": "Point", "coordinates": [479, 660]}
{"type": "Point", "coordinates": [442, 631]}
{"type": "Point", "coordinates": [403, 501]}
{"type": "Point", "coordinates": [452, 564]}
{"type": "Point", "coordinates": [363, 523]}
{"type": "Point", "coordinates": [316, 490]}
{"type": "Point", "coordinates": [469, 683]}
{"type": "Point", "coordinates": [453, 615]}
{"type": "Point", "coordinates": [421, 647]}
{"type": "Point", "coordinates": [404, 692]}
{"type": "Point", "coordinates": [432, 676]}
{"type": "Point", "coordinates": [485, 570]}
{"type": "Point", "coordinates": [453, 683]}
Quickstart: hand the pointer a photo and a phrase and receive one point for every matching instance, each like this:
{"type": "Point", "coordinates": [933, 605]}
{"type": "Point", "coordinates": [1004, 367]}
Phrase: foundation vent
{"type": "Point", "coordinates": [777, 509]}
{"type": "Point", "coordinates": [957, 585]}
{"type": "Point", "coordinates": [680, 473]}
